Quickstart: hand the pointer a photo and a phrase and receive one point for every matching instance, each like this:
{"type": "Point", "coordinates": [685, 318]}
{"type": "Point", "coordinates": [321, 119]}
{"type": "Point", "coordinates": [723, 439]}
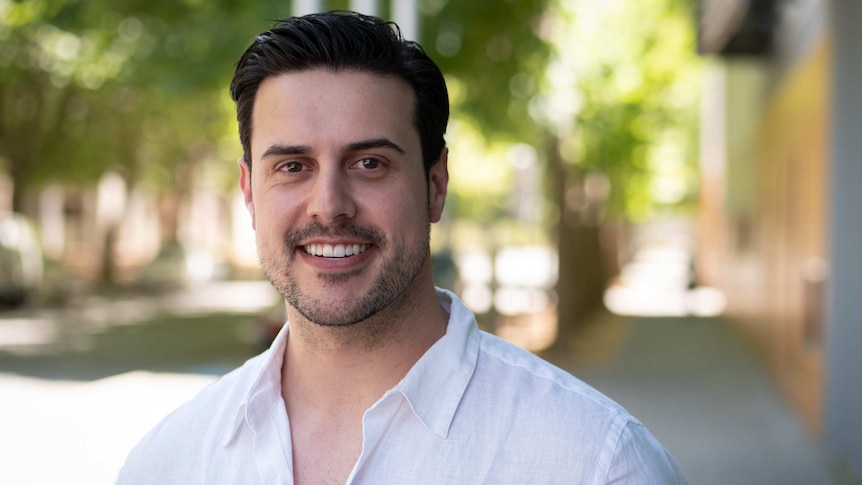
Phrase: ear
{"type": "Point", "coordinates": [438, 183]}
{"type": "Point", "coordinates": [245, 186]}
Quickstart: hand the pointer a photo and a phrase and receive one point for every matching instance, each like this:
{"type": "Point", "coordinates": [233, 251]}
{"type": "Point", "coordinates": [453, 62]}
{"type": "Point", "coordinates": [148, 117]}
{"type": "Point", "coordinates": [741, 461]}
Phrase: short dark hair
{"type": "Point", "coordinates": [341, 40]}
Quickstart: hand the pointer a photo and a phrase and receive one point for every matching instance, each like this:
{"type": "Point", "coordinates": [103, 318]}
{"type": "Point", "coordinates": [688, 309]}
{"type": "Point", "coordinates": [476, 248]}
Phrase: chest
{"type": "Point", "coordinates": [324, 452]}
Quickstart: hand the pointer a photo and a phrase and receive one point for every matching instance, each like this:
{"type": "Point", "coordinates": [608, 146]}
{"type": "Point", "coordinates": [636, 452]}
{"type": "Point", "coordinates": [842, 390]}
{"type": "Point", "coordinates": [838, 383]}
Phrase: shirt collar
{"type": "Point", "coordinates": [435, 385]}
{"type": "Point", "coordinates": [264, 388]}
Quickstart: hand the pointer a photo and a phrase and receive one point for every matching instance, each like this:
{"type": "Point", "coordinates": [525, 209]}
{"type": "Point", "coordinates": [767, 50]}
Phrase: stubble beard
{"type": "Point", "coordinates": [388, 294]}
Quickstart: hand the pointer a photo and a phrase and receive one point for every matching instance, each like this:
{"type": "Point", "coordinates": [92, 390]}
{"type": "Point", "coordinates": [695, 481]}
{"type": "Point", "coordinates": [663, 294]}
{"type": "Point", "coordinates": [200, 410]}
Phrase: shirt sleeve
{"type": "Point", "coordinates": [639, 459]}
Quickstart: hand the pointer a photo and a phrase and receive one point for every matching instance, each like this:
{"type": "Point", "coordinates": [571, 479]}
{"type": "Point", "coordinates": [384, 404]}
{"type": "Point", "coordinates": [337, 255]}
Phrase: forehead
{"type": "Point", "coordinates": [325, 107]}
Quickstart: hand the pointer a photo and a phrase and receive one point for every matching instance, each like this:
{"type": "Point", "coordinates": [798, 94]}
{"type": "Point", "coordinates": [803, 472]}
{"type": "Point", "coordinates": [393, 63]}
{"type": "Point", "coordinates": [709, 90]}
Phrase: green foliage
{"type": "Point", "coordinates": [492, 56]}
{"type": "Point", "coordinates": [618, 81]}
{"type": "Point", "coordinates": [139, 86]}
{"type": "Point", "coordinates": [636, 72]}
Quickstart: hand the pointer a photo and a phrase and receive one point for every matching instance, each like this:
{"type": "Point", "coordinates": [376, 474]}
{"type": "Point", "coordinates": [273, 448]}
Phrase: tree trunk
{"type": "Point", "coordinates": [108, 267]}
{"type": "Point", "coordinates": [581, 280]}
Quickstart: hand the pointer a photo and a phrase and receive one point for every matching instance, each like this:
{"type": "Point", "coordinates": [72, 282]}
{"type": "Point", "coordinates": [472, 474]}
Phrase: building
{"type": "Point", "coordinates": [780, 204]}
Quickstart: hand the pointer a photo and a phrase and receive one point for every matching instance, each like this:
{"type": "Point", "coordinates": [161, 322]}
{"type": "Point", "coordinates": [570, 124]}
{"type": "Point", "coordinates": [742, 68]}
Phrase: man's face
{"type": "Point", "coordinates": [338, 194]}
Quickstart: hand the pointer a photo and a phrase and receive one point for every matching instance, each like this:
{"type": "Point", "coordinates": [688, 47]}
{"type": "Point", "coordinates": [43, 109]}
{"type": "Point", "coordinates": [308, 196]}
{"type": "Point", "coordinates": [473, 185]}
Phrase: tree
{"type": "Point", "coordinates": [493, 57]}
{"type": "Point", "coordinates": [606, 93]}
{"type": "Point", "coordinates": [623, 145]}
{"type": "Point", "coordinates": [138, 87]}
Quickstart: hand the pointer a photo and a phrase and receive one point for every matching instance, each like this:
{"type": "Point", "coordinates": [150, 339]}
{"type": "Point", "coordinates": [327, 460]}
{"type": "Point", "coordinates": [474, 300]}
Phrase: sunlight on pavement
{"type": "Point", "coordinates": [232, 296]}
{"type": "Point", "coordinates": [660, 280]}
{"type": "Point", "coordinates": [25, 332]}
{"type": "Point", "coordinates": [641, 301]}
{"type": "Point", "coordinates": [79, 433]}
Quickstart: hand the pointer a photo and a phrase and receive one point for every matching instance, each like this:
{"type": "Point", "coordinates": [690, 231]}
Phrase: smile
{"type": "Point", "coordinates": [335, 250]}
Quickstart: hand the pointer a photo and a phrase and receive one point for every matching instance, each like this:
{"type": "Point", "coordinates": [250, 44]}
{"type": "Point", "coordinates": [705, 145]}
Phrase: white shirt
{"type": "Point", "coordinates": [474, 409]}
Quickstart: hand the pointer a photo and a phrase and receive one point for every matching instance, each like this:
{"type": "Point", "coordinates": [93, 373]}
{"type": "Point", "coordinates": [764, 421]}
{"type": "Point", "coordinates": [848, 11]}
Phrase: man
{"type": "Point", "coordinates": [378, 377]}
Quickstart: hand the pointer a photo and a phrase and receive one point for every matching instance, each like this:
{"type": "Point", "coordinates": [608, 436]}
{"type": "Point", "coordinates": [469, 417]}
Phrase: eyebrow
{"type": "Point", "coordinates": [373, 143]}
{"type": "Point", "coordinates": [281, 150]}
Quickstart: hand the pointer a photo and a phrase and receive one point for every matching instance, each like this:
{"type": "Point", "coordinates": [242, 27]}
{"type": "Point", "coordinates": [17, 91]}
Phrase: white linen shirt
{"type": "Point", "coordinates": [474, 409]}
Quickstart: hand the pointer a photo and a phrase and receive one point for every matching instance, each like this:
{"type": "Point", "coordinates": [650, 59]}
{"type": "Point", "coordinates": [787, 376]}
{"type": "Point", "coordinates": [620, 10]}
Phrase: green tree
{"type": "Point", "coordinates": [493, 57]}
{"type": "Point", "coordinates": [605, 91]}
{"type": "Point", "coordinates": [138, 87]}
{"type": "Point", "coordinates": [621, 108]}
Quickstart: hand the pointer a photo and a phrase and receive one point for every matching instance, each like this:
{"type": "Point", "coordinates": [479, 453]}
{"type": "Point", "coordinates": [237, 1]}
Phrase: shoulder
{"type": "Point", "coordinates": [578, 424]}
{"type": "Point", "coordinates": [194, 430]}
{"type": "Point", "coordinates": [527, 374]}
{"type": "Point", "coordinates": [531, 393]}
{"type": "Point", "coordinates": [639, 458]}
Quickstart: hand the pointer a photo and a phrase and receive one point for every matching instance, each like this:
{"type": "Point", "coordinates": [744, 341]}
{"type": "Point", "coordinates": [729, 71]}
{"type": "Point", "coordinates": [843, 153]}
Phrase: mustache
{"type": "Point", "coordinates": [347, 230]}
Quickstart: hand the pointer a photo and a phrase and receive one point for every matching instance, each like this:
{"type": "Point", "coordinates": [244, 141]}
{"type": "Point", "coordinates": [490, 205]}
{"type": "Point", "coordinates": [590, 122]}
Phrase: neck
{"type": "Point", "coordinates": [344, 370]}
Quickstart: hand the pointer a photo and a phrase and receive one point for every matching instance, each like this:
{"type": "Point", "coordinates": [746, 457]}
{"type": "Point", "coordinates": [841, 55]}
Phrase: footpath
{"type": "Point", "coordinates": [696, 386]}
{"type": "Point", "coordinates": [80, 384]}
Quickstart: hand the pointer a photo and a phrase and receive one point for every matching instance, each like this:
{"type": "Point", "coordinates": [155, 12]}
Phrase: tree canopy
{"type": "Point", "coordinates": [627, 77]}
{"type": "Point", "coordinates": [137, 86]}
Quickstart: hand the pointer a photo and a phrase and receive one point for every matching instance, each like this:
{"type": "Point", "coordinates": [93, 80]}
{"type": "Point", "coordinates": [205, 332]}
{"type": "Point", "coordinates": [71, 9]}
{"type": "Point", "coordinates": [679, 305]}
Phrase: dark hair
{"type": "Point", "coordinates": [342, 40]}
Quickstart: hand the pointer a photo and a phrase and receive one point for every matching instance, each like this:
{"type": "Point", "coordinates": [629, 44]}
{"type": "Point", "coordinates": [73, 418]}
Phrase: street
{"type": "Point", "coordinates": [80, 385]}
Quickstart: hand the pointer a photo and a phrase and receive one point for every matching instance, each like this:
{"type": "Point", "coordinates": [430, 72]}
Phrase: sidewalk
{"type": "Point", "coordinates": [82, 383]}
{"type": "Point", "coordinates": [694, 385]}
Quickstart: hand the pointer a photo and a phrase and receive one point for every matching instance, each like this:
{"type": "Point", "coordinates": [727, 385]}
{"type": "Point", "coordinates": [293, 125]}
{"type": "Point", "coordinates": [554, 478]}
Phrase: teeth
{"type": "Point", "coordinates": [335, 251]}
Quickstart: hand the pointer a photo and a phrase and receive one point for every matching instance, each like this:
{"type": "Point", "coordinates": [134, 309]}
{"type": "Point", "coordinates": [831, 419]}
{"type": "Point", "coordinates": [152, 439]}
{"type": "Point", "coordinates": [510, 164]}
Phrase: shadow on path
{"type": "Point", "coordinates": [203, 344]}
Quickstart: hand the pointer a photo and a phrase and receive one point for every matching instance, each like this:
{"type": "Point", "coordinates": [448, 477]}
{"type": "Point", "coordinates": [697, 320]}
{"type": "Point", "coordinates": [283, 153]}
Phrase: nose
{"type": "Point", "coordinates": [330, 198]}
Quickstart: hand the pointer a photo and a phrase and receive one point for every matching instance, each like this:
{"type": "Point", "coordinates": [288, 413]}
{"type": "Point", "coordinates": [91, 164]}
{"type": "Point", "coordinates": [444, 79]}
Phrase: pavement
{"type": "Point", "coordinates": [695, 385]}
{"type": "Point", "coordinates": [81, 385]}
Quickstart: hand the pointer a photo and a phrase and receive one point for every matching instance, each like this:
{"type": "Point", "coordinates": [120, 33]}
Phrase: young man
{"type": "Point", "coordinates": [378, 378]}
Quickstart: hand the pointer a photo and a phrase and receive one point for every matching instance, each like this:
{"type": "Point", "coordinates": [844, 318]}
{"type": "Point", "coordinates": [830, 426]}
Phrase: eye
{"type": "Point", "coordinates": [368, 164]}
{"type": "Point", "coordinates": [291, 167]}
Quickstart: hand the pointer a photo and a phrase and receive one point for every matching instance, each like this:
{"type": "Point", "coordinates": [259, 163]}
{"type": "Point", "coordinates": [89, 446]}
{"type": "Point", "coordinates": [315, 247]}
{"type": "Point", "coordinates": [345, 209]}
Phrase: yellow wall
{"type": "Point", "coordinates": [775, 249]}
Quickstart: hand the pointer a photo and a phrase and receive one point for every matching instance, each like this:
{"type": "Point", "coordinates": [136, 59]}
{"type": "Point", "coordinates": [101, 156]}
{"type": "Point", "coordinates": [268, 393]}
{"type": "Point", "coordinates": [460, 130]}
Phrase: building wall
{"type": "Point", "coordinates": [790, 231]}
{"type": "Point", "coordinates": [771, 248]}
{"type": "Point", "coordinates": [781, 211]}
{"type": "Point", "coordinates": [843, 408]}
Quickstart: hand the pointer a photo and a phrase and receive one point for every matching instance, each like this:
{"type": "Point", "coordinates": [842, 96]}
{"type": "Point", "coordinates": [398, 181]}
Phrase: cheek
{"type": "Point", "coordinates": [407, 204]}
{"type": "Point", "coordinates": [412, 213]}
{"type": "Point", "coordinates": [274, 213]}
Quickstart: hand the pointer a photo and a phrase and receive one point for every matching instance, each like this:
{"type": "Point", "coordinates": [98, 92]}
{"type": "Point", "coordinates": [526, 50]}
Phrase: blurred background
{"type": "Point", "coordinates": [660, 196]}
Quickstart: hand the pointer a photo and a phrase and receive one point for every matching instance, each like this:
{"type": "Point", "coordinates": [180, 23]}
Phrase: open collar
{"type": "Point", "coordinates": [433, 387]}
{"type": "Point", "coordinates": [263, 390]}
